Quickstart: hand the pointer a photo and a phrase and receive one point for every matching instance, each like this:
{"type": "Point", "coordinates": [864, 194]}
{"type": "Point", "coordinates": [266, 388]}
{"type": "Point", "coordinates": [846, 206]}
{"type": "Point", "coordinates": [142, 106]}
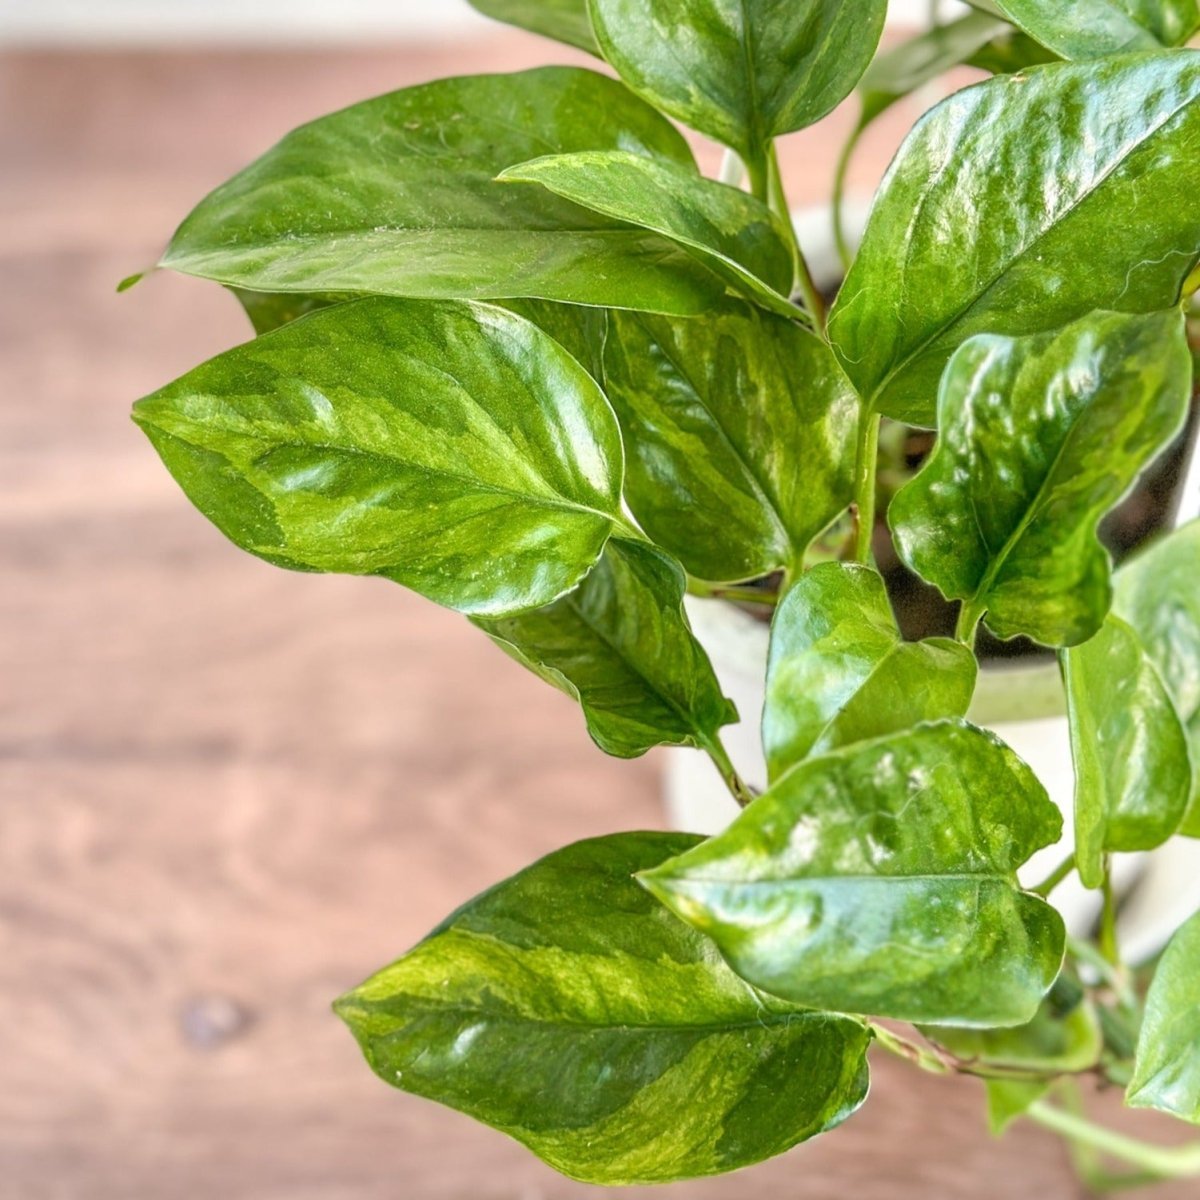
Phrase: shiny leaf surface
{"type": "Point", "coordinates": [398, 196]}
{"type": "Point", "coordinates": [729, 231]}
{"type": "Point", "coordinates": [1133, 779]}
{"type": "Point", "coordinates": [997, 198]}
{"type": "Point", "coordinates": [453, 448]}
{"type": "Point", "coordinates": [1166, 1071]}
{"type": "Point", "coordinates": [741, 71]}
{"type": "Point", "coordinates": [1040, 436]}
{"type": "Point", "coordinates": [620, 644]}
{"type": "Point", "coordinates": [567, 1008]}
{"type": "Point", "coordinates": [881, 879]}
{"type": "Point", "coordinates": [840, 673]}
{"type": "Point", "coordinates": [1082, 29]}
{"type": "Point", "coordinates": [563, 20]}
{"type": "Point", "coordinates": [739, 434]}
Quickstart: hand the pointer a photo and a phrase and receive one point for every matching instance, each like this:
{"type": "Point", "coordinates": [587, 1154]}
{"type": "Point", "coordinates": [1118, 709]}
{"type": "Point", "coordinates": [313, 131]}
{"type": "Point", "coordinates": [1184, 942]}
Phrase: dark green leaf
{"type": "Point", "coordinates": [732, 233]}
{"type": "Point", "coordinates": [1158, 593]}
{"type": "Point", "coordinates": [739, 432]}
{"type": "Point", "coordinates": [1040, 436]}
{"type": "Point", "coordinates": [454, 448]}
{"type": "Point", "coordinates": [563, 20]}
{"type": "Point", "coordinates": [568, 1009]}
{"type": "Point", "coordinates": [1011, 52]}
{"type": "Point", "coordinates": [1081, 29]}
{"type": "Point", "coordinates": [1017, 206]}
{"type": "Point", "coordinates": [398, 196]}
{"type": "Point", "coordinates": [741, 71]}
{"type": "Point", "coordinates": [269, 311]}
{"type": "Point", "coordinates": [576, 328]}
{"type": "Point", "coordinates": [1133, 778]}
{"type": "Point", "coordinates": [1166, 1072]}
{"type": "Point", "coordinates": [881, 878]}
{"type": "Point", "coordinates": [620, 644]}
{"type": "Point", "coordinates": [839, 672]}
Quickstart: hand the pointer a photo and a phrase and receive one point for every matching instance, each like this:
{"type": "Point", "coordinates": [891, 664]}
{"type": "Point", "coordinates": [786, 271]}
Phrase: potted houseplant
{"type": "Point", "coordinates": [518, 355]}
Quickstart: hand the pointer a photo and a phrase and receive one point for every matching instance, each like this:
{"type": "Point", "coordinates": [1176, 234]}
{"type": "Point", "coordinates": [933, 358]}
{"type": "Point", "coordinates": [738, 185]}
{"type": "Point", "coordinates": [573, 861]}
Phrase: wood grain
{"type": "Point", "coordinates": [227, 792]}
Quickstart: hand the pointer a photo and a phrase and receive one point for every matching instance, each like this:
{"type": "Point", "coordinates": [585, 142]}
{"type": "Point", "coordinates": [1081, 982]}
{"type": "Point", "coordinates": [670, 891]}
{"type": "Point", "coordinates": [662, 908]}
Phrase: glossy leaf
{"type": "Point", "coordinates": [1158, 593]}
{"type": "Point", "coordinates": [620, 644]}
{"type": "Point", "coordinates": [453, 448]}
{"type": "Point", "coordinates": [840, 673]}
{"type": "Point", "coordinates": [563, 20]}
{"type": "Point", "coordinates": [1082, 29]}
{"type": "Point", "coordinates": [568, 1009]}
{"type": "Point", "coordinates": [741, 71]}
{"type": "Point", "coordinates": [881, 878]}
{"type": "Point", "coordinates": [1041, 436]}
{"type": "Point", "coordinates": [398, 196]}
{"type": "Point", "coordinates": [1166, 1069]}
{"type": "Point", "coordinates": [729, 231]}
{"type": "Point", "coordinates": [1133, 779]}
{"type": "Point", "coordinates": [999, 197]}
{"type": "Point", "coordinates": [578, 329]}
{"type": "Point", "coordinates": [739, 433]}
{"type": "Point", "coordinates": [269, 311]}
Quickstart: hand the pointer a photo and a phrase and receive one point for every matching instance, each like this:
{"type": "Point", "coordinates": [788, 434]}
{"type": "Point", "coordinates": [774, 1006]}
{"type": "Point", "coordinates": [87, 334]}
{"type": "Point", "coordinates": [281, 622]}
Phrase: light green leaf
{"type": "Point", "coordinates": [563, 20]}
{"type": "Point", "coordinates": [881, 879]}
{"type": "Point", "coordinates": [453, 448]}
{"type": "Point", "coordinates": [398, 196]}
{"type": "Point", "coordinates": [1008, 1099]}
{"type": "Point", "coordinates": [1158, 593]}
{"type": "Point", "coordinates": [620, 644]}
{"type": "Point", "coordinates": [741, 71]}
{"type": "Point", "coordinates": [1082, 29]}
{"type": "Point", "coordinates": [1166, 1069]}
{"type": "Point", "coordinates": [997, 200]}
{"type": "Point", "coordinates": [739, 431]}
{"type": "Point", "coordinates": [568, 1009]}
{"type": "Point", "coordinates": [1133, 779]}
{"type": "Point", "coordinates": [840, 673]}
{"type": "Point", "coordinates": [729, 231]}
{"type": "Point", "coordinates": [1041, 436]}
{"type": "Point", "coordinates": [578, 329]}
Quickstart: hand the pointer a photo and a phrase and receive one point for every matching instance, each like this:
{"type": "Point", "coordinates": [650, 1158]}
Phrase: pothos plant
{"type": "Point", "coordinates": [517, 354]}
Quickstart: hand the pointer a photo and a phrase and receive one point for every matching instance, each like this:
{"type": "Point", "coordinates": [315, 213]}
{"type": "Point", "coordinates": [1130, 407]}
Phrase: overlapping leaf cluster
{"type": "Point", "coordinates": [518, 354]}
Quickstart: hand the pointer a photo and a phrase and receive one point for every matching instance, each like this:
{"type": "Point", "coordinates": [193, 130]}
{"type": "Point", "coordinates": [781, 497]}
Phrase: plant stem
{"type": "Point", "coordinates": [741, 595]}
{"type": "Point", "coordinates": [864, 485]}
{"type": "Point", "coordinates": [927, 1060]}
{"type": "Point", "coordinates": [1107, 940]}
{"type": "Point", "coordinates": [969, 616]}
{"type": "Point", "coordinates": [758, 173]}
{"type": "Point", "coordinates": [839, 196]}
{"type": "Point", "coordinates": [1055, 877]}
{"type": "Point", "coordinates": [800, 272]}
{"type": "Point", "coordinates": [739, 789]}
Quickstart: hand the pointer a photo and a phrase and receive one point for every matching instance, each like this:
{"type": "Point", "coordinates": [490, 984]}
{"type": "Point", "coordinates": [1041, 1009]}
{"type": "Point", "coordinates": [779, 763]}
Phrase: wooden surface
{"type": "Point", "coordinates": [228, 792]}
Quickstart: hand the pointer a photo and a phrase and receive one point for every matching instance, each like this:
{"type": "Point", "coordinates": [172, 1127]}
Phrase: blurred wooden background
{"type": "Point", "coordinates": [228, 792]}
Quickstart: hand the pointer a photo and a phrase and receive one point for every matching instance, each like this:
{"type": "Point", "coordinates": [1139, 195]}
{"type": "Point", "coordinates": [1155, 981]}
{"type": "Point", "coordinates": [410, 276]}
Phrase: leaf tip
{"type": "Point", "coordinates": [131, 281]}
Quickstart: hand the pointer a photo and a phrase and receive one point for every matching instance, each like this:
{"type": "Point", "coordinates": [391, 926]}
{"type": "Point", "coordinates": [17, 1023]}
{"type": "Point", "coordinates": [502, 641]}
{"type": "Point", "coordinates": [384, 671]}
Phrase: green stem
{"type": "Point", "coordinates": [800, 272]}
{"type": "Point", "coordinates": [741, 595]}
{"type": "Point", "coordinates": [739, 789]}
{"type": "Point", "coordinates": [839, 195]}
{"type": "Point", "coordinates": [969, 616]}
{"type": "Point", "coordinates": [864, 485]}
{"type": "Point", "coordinates": [758, 172]}
{"type": "Point", "coordinates": [1161, 1162]}
{"type": "Point", "coordinates": [1107, 940]}
{"type": "Point", "coordinates": [927, 1060]}
{"type": "Point", "coordinates": [1055, 877]}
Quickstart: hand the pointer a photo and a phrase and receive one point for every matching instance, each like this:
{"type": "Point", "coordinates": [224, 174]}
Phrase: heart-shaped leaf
{"type": "Point", "coordinates": [881, 878]}
{"type": "Point", "coordinates": [398, 196]}
{"type": "Point", "coordinates": [1040, 436]}
{"type": "Point", "coordinates": [1133, 778]}
{"type": "Point", "coordinates": [563, 20]}
{"type": "Point", "coordinates": [454, 448]}
{"type": "Point", "coordinates": [741, 71]}
{"type": "Point", "coordinates": [568, 1009]}
{"type": "Point", "coordinates": [839, 671]}
{"type": "Point", "coordinates": [1082, 29]}
{"type": "Point", "coordinates": [1166, 1068]}
{"type": "Point", "coordinates": [1157, 593]}
{"type": "Point", "coordinates": [620, 644]}
{"type": "Point", "coordinates": [1017, 206]}
{"type": "Point", "coordinates": [739, 433]}
{"type": "Point", "coordinates": [732, 233]}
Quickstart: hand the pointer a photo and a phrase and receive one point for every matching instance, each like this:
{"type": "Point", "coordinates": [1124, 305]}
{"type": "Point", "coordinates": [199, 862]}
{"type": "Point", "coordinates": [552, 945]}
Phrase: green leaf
{"type": "Point", "coordinates": [453, 448]}
{"type": "Point", "coordinates": [269, 311]}
{"type": "Point", "coordinates": [579, 330]}
{"type": "Point", "coordinates": [563, 20]}
{"type": "Point", "coordinates": [1011, 52]}
{"type": "Point", "coordinates": [1041, 436]}
{"type": "Point", "coordinates": [730, 232]}
{"type": "Point", "coordinates": [739, 431]}
{"type": "Point", "coordinates": [1156, 592]}
{"type": "Point", "coordinates": [398, 196]}
{"type": "Point", "coordinates": [1008, 1099]}
{"type": "Point", "coordinates": [881, 879]}
{"type": "Point", "coordinates": [1082, 29]}
{"type": "Point", "coordinates": [741, 71]}
{"type": "Point", "coordinates": [1133, 778]}
{"type": "Point", "coordinates": [840, 673]}
{"type": "Point", "coordinates": [568, 1009]}
{"type": "Point", "coordinates": [620, 644]}
{"type": "Point", "coordinates": [1166, 1069]}
{"type": "Point", "coordinates": [1017, 206]}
